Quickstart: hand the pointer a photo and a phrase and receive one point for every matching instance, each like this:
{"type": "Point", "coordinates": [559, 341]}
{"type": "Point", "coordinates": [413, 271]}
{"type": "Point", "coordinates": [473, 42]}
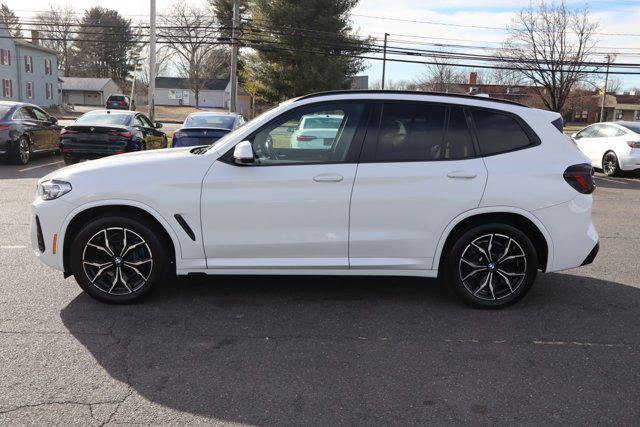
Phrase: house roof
{"type": "Point", "coordinates": [84, 83]}
{"type": "Point", "coordinates": [182, 83]}
{"type": "Point", "coordinates": [24, 43]}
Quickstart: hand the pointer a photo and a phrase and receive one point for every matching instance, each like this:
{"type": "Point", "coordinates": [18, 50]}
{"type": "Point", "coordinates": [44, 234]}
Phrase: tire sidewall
{"type": "Point", "coordinates": [455, 252]}
{"type": "Point", "coordinates": [149, 234]}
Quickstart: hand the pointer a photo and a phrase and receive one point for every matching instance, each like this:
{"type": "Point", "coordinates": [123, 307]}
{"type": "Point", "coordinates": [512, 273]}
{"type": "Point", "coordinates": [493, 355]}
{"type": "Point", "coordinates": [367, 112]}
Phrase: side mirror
{"type": "Point", "coordinates": [574, 136]}
{"type": "Point", "coordinates": [53, 120]}
{"type": "Point", "coordinates": [243, 153]}
{"type": "Point", "coordinates": [158, 125]}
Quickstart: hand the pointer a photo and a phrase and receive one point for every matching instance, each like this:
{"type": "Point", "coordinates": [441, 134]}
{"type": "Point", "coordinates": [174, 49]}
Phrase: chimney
{"type": "Point", "coordinates": [35, 36]}
{"type": "Point", "coordinates": [473, 78]}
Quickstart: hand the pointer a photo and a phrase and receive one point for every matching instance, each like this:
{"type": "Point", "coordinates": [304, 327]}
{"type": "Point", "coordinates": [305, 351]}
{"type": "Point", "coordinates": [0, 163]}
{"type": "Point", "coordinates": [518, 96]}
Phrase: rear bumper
{"type": "Point", "coordinates": [592, 255]}
{"type": "Point", "coordinates": [630, 162]}
{"type": "Point", "coordinates": [572, 232]}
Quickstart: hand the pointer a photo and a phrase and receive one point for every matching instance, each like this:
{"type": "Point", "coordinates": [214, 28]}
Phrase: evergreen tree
{"type": "Point", "coordinates": [11, 20]}
{"type": "Point", "coordinates": [305, 46]}
{"type": "Point", "coordinates": [106, 45]}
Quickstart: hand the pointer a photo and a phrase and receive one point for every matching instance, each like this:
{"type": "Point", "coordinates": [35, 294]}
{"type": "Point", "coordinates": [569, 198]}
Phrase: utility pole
{"type": "Point", "coordinates": [384, 59]}
{"type": "Point", "coordinates": [604, 92]}
{"type": "Point", "coordinates": [152, 61]}
{"type": "Point", "coordinates": [234, 57]}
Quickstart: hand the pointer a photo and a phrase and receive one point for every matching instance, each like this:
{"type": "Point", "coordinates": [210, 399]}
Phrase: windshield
{"type": "Point", "coordinates": [322, 122]}
{"type": "Point", "coordinates": [210, 121]}
{"type": "Point", "coordinates": [104, 119]}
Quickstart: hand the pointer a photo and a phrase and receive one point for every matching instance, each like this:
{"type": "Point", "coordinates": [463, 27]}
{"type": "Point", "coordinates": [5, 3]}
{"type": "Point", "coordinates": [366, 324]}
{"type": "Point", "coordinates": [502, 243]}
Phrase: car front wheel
{"type": "Point", "coordinates": [118, 259]}
{"type": "Point", "coordinates": [492, 266]}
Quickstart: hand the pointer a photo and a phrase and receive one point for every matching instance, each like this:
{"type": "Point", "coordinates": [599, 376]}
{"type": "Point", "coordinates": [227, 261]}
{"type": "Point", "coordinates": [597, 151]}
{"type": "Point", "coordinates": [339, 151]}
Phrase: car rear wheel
{"type": "Point", "coordinates": [118, 259]}
{"type": "Point", "coordinates": [23, 153]}
{"type": "Point", "coordinates": [492, 266]}
{"type": "Point", "coordinates": [610, 165]}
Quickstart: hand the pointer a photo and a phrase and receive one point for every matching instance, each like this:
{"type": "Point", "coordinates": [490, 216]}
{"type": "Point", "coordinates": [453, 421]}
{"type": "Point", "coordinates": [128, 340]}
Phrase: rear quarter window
{"type": "Point", "coordinates": [498, 133]}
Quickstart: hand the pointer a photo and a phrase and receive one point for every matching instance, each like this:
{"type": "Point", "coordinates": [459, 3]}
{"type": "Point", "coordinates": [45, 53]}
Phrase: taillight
{"type": "Point", "coordinates": [122, 102]}
{"type": "Point", "coordinates": [305, 138]}
{"type": "Point", "coordinates": [177, 134]}
{"type": "Point", "coordinates": [5, 127]}
{"type": "Point", "coordinates": [580, 177]}
{"type": "Point", "coordinates": [67, 131]}
{"type": "Point", "coordinates": [633, 144]}
{"type": "Point", "coordinates": [127, 134]}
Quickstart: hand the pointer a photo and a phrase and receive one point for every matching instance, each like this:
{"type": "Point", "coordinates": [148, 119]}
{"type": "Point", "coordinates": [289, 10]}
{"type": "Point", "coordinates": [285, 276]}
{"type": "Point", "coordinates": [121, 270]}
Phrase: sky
{"type": "Point", "coordinates": [613, 16]}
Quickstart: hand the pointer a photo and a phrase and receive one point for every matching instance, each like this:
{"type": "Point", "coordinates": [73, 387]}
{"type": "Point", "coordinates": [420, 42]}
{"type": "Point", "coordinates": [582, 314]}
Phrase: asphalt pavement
{"type": "Point", "coordinates": [320, 350]}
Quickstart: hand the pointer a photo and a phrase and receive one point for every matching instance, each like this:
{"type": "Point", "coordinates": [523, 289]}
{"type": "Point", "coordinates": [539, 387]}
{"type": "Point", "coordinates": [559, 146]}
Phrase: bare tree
{"type": "Point", "coordinates": [190, 41]}
{"type": "Point", "coordinates": [57, 26]}
{"type": "Point", "coordinates": [442, 76]}
{"type": "Point", "coordinates": [163, 61]}
{"type": "Point", "coordinates": [548, 45]}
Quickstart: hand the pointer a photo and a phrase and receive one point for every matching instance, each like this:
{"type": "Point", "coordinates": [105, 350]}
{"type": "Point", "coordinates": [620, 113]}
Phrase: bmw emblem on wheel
{"type": "Point", "coordinates": [92, 129]}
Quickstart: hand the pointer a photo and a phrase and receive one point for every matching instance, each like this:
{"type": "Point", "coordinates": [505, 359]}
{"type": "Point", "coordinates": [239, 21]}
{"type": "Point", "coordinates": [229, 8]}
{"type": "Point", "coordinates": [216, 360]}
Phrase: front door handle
{"type": "Point", "coordinates": [328, 177]}
{"type": "Point", "coordinates": [461, 175]}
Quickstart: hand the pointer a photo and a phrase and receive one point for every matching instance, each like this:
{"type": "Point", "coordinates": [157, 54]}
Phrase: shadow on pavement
{"type": "Point", "coordinates": [345, 350]}
{"type": "Point", "coordinates": [39, 166]}
{"type": "Point", "coordinates": [628, 181]}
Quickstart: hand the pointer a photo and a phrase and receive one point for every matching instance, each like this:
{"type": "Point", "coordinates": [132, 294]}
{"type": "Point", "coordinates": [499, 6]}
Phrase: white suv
{"type": "Point", "coordinates": [481, 192]}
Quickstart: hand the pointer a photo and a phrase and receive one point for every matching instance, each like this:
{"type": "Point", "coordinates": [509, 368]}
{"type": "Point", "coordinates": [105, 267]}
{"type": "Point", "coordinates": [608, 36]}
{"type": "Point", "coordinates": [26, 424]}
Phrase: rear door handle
{"type": "Point", "coordinates": [328, 177]}
{"type": "Point", "coordinates": [461, 175]}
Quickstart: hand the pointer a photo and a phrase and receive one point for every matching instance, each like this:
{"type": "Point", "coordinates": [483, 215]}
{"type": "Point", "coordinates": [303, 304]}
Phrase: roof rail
{"type": "Point", "coordinates": [409, 92]}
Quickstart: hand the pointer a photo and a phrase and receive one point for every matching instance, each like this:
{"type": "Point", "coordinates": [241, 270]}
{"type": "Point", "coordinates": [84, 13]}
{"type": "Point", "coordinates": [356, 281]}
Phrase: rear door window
{"type": "Point", "coordinates": [498, 132]}
{"type": "Point", "coordinates": [423, 132]}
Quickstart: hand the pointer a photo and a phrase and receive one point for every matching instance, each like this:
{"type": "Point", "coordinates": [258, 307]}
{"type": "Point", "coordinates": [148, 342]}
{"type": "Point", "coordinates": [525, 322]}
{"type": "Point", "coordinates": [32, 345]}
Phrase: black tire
{"type": "Point", "coordinates": [610, 164]}
{"type": "Point", "coordinates": [23, 153]}
{"type": "Point", "coordinates": [508, 244]}
{"type": "Point", "coordinates": [71, 161]}
{"type": "Point", "coordinates": [130, 285]}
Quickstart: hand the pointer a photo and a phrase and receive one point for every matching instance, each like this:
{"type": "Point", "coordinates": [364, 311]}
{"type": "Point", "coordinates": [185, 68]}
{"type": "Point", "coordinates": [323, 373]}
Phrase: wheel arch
{"type": "Point", "coordinates": [76, 219]}
{"type": "Point", "coordinates": [523, 220]}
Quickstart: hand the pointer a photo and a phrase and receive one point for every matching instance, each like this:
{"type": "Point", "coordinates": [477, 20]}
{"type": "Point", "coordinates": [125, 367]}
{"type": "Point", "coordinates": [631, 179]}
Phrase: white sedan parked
{"type": "Point", "coordinates": [612, 147]}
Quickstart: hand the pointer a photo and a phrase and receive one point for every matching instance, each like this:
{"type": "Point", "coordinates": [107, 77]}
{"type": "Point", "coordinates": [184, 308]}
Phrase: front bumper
{"type": "Point", "coordinates": [47, 218]}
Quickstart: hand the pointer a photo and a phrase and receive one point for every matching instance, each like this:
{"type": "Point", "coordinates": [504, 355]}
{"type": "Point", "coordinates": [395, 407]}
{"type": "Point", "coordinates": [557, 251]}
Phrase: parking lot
{"type": "Point", "coordinates": [320, 350]}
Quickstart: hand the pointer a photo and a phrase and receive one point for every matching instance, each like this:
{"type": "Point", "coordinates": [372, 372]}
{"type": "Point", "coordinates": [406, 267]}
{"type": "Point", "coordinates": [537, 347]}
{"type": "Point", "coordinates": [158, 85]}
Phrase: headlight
{"type": "Point", "coordinates": [49, 190]}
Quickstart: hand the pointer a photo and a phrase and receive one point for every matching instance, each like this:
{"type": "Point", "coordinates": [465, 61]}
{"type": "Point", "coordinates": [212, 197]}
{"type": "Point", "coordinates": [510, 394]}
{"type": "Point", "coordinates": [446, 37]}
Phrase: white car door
{"type": "Point", "coordinates": [418, 171]}
{"type": "Point", "coordinates": [290, 208]}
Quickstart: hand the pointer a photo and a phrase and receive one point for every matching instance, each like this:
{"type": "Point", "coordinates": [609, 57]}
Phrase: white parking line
{"type": "Point", "coordinates": [12, 247]}
{"type": "Point", "coordinates": [40, 166]}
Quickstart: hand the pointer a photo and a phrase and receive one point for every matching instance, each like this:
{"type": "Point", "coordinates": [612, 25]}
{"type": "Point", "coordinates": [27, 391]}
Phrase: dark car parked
{"type": "Point", "coordinates": [120, 102]}
{"type": "Point", "coordinates": [103, 133]}
{"type": "Point", "coordinates": [205, 128]}
{"type": "Point", "coordinates": [25, 130]}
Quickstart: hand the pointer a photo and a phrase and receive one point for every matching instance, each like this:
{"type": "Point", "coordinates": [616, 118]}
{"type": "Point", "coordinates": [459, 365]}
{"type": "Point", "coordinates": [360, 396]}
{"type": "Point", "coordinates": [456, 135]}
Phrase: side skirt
{"type": "Point", "coordinates": [310, 272]}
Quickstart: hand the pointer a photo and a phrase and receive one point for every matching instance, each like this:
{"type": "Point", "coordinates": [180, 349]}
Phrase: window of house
{"type": "Point", "coordinates": [47, 67]}
{"type": "Point", "coordinates": [636, 115]}
{"type": "Point", "coordinates": [28, 64]}
{"type": "Point", "coordinates": [30, 90]}
{"type": "Point", "coordinates": [5, 57]}
{"type": "Point", "coordinates": [618, 114]}
{"type": "Point", "coordinates": [7, 88]}
{"type": "Point", "coordinates": [48, 90]}
{"type": "Point", "coordinates": [498, 132]}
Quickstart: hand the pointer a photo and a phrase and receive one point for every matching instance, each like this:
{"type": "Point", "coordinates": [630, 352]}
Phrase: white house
{"type": "Point", "coordinates": [87, 90]}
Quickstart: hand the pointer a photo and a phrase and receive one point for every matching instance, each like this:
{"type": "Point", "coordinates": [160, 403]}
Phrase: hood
{"type": "Point", "coordinates": [117, 164]}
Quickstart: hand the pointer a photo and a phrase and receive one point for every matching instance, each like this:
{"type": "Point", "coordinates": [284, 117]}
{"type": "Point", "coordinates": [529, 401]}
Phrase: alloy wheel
{"type": "Point", "coordinates": [117, 261]}
{"type": "Point", "coordinates": [492, 266]}
{"type": "Point", "coordinates": [24, 152]}
{"type": "Point", "coordinates": [609, 163]}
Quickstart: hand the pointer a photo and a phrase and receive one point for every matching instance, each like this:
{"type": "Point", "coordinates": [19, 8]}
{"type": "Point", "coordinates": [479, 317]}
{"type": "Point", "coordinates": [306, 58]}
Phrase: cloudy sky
{"type": "Point", "coordinates": [614, 17]}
